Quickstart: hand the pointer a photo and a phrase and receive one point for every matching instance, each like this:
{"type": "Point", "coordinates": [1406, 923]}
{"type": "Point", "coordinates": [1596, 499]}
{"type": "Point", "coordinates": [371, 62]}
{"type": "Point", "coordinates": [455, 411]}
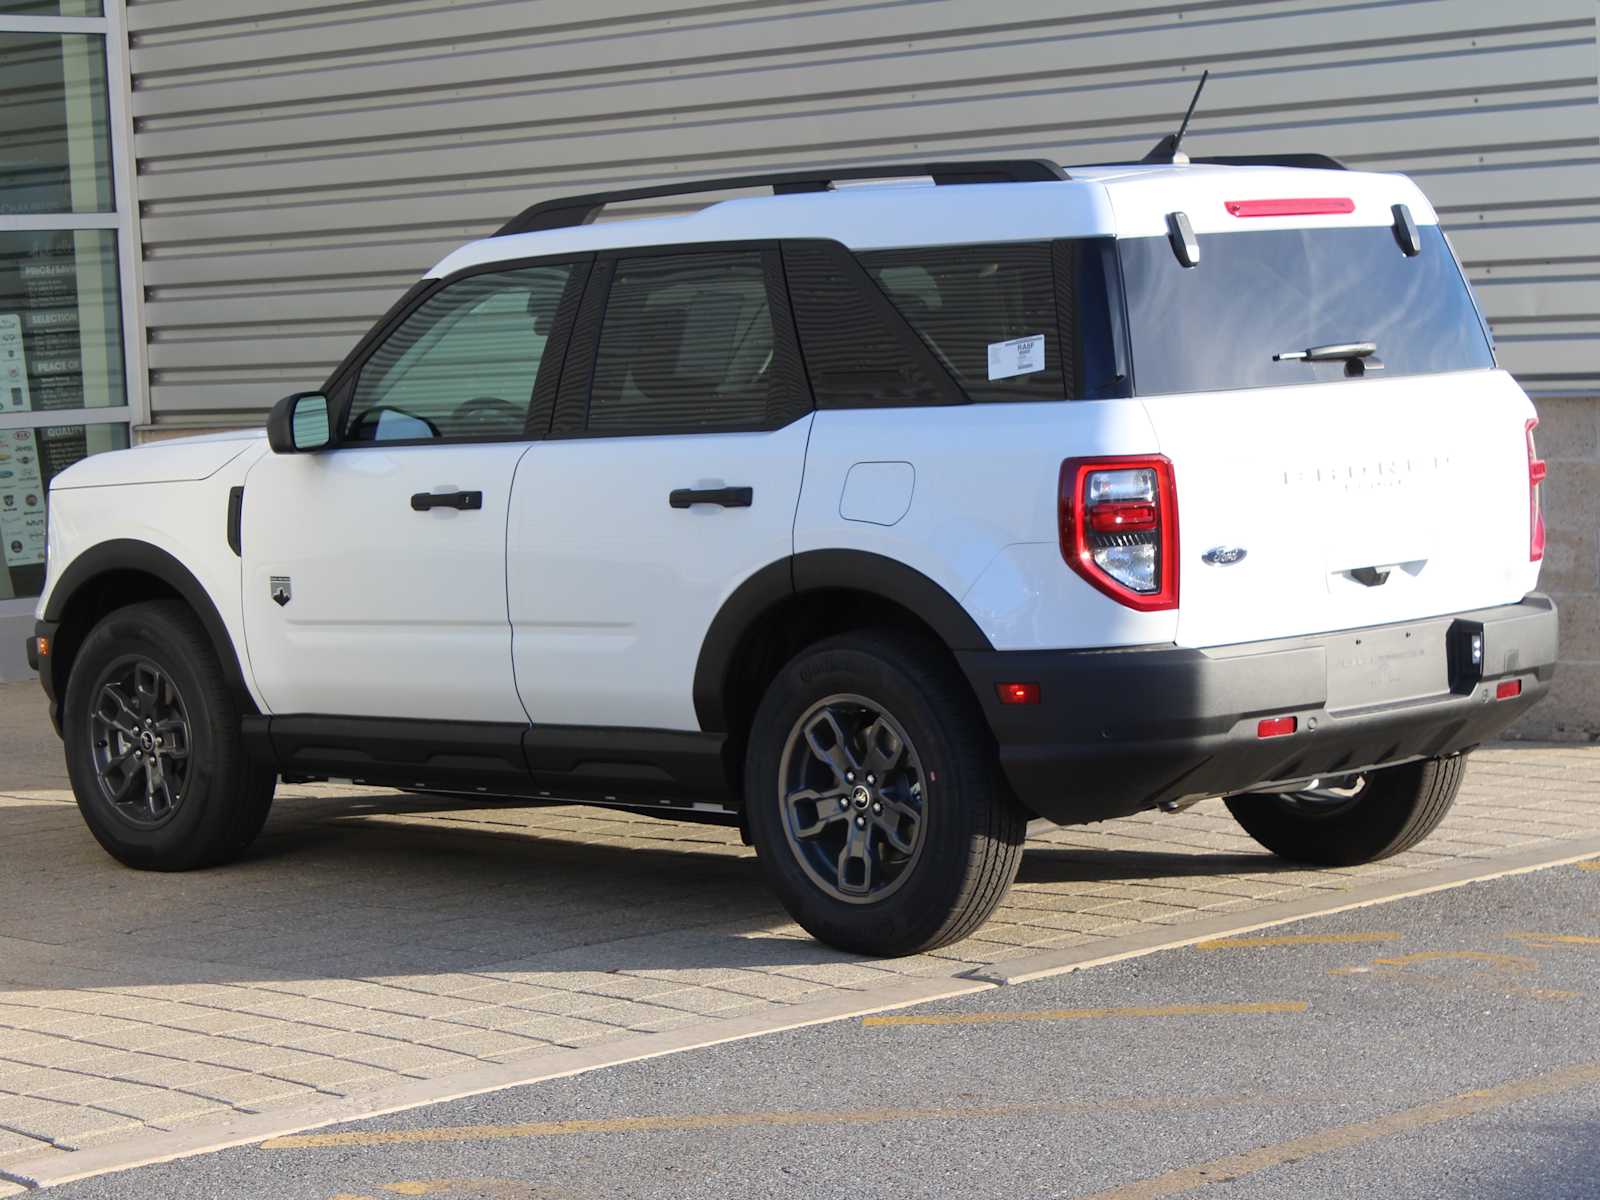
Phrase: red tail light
{"type": "Point", "coordinates": [1536, 474]}
{"type": "Point", "coordinates": [1119, 527]}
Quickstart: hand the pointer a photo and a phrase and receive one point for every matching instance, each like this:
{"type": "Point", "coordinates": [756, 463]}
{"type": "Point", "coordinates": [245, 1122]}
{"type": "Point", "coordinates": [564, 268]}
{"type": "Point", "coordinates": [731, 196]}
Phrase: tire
{"type": "Point", "coordinates": [149, 669]}
{"type": "Point", "coordinates": [941, 798]}
{"type": "Point", "coordinates": [1390, 810]}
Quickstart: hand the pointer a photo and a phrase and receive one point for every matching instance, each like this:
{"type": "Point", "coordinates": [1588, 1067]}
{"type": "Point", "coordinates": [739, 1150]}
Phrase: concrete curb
{"type": "Point", "coordinates": [145, 1149]}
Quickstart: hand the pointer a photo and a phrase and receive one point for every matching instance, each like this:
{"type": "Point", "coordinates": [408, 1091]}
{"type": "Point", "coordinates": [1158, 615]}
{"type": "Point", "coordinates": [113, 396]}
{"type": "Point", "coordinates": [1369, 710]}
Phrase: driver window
{"type": "Point", "coordinates": [463, 364]}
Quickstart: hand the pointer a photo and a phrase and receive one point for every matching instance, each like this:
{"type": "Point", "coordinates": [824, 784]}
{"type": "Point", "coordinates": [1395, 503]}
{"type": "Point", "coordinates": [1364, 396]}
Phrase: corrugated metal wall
{"type": "Point", "coordinates": [301, 162]}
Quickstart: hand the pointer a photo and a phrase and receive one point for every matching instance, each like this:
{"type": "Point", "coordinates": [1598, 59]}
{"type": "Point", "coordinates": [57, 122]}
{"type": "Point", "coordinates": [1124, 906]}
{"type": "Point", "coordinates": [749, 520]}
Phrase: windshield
{"type": "Point", "coordinates": [1255, 295]}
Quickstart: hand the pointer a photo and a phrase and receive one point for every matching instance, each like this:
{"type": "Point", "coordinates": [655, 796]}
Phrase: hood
{"type": "Point", "coordinates": [173, 460]}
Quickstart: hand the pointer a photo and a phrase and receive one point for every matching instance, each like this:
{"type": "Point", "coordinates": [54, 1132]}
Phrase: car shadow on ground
{"type": "Point", "coordinates": [387, 885]}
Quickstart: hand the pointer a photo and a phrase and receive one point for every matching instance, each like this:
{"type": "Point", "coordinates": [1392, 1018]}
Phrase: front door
{"type": "Point", "coordinates": [374, 571]}
{"type": "Point", "coordinates": [672, 475]}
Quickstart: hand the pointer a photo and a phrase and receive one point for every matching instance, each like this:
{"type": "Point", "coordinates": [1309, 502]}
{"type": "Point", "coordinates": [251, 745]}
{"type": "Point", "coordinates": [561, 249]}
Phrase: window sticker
{"type": "Point", "coordinates": [1019, 356]}
{"type": "Point", "coordinates": [13, 366]}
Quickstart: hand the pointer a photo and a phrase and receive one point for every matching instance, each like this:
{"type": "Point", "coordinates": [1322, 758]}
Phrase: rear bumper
{"type": "Point", "coordinates": [1118, 731]}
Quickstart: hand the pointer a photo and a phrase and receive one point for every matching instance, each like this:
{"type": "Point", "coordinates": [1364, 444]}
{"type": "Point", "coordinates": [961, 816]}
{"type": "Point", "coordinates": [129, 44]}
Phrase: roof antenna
{"type": "Point", "coordinates": [1166, 150]}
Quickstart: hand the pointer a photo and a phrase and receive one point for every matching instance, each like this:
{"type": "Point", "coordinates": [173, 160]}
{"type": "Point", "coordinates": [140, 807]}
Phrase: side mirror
{"type": "Point", "coordinates": [299, 423]}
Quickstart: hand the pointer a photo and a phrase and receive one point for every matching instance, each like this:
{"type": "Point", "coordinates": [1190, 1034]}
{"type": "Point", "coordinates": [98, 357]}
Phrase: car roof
{"type": "Point", "coordinates": [1110, 200]}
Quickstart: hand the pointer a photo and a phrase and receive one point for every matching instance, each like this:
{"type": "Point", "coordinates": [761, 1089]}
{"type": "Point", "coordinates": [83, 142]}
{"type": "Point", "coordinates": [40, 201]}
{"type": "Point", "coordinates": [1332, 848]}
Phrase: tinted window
{"type": "Point", "coordinates": [1253, 295]}
{"type": "Point", "coordinates": [463, 364]}
{"type": "Point", "coordinates": [1009, 322]}
{"type": "Point", "coordinates": [858, 352]}
{"type": "Point", "coordinates": [686, 344]}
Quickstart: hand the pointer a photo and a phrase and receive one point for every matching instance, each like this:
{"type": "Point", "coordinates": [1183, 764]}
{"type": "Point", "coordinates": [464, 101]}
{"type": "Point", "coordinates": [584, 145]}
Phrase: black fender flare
{"type": "Point", "coordinates": [815, 571]}
{"type": "Point", "coordinates": [129, 554]}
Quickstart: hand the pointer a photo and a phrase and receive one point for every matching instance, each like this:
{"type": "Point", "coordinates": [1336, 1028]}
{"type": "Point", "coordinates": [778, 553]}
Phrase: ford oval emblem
{"type": "Point", "coordinates": [1223, 556]}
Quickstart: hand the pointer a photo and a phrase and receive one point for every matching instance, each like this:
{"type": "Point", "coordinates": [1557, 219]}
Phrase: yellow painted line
{"type": "Point", "coordinates": [695, 1123]}
{"type": "Point", "coordinates": [1510, 962]}
{"type": "Point", "coordinates": [1549, 940]}
{"type": "Point", "coordinates": [1592, 864]}
{"type": "Point", "coordinates": [1345, 1137]}
{"type": "Point", "coordinates": [1297, 939]}
{"type": "Point", "coordinates": [1079, 1014]}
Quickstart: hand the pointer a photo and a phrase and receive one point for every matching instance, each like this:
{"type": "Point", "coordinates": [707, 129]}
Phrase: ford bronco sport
{"type": "Point", "coordinates": [875, 516]}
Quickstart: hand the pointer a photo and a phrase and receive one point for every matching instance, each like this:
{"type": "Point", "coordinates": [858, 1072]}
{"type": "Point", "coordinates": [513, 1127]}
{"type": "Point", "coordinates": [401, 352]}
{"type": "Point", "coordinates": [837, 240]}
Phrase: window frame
{"type": "Point", "coordinates": [120, 220]}
{"type": "Point", "coordinates": [340, 386]}
{"type": "Point", "coordinates": [569, 419]}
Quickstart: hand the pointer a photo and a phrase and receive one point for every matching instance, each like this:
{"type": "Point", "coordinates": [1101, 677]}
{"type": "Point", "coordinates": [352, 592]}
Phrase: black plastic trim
{"type": "Point", "coordinates": [236, 521]}
{"type": "Point", "coordinates": [126, 554]}
{"type": "Point", "coordinates": [391, 750]}
{"type": "Point", "coordinates": [816, 571]}
{"type": "Point", "coordinates": [617, 765]}
{"type": "Point", "coordinates": [662, 765]}
{"type": "Point", "coordinates": [1117, 731]}
{"type": "Point", "coordinates": [568, 211]}
{"type": "Point", "coordinates": [1304, 161]}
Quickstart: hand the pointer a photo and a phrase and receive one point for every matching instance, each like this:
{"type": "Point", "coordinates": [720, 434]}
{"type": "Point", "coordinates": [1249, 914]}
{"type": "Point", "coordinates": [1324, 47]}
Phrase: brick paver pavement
{"type": "Point", "coordinates": [374, 938]}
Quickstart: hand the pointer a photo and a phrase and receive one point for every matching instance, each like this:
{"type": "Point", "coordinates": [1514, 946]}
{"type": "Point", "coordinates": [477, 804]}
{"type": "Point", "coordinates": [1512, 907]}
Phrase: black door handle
{"type": "Point", "coordinates": [463, 501]}
{"type": "Point", "coordinates": [728, 497]}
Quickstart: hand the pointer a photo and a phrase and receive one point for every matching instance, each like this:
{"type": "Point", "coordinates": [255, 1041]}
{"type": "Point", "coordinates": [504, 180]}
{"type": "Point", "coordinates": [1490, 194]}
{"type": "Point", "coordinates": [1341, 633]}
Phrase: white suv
{"type": "Point", "coordinates": [874, 516]}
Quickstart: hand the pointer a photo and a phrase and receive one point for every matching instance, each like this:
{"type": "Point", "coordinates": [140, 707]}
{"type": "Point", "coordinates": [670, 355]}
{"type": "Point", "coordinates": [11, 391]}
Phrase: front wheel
{"type": "Point", "coordinates": [875, 800]}
{"type": "Point", "coordinates": [153, 745]}
{"type": "Point", "coordinates": [1358, 819]}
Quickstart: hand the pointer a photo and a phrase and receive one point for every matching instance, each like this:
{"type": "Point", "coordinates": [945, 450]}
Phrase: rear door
{"type": "Point", "coordinates": [1326, 495]}
{"type": "Point", "coordinates": [671, 475]}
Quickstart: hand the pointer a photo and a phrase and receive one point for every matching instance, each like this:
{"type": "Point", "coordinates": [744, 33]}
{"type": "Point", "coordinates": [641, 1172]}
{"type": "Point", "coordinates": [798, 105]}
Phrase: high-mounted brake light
{"type": "Point", "coordinates": [1305, 206]}
{"type": "Point", "coordinates": [1536, 473]}
{"type": "Point", "coordinates": [1119, 527]}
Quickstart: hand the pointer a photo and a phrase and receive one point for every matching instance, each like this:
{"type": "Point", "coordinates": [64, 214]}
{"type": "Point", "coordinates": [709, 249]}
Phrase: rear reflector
{"type": "Point", "coordinates": [1271, 727]}
{"type": "Point", "coordinates": [1508, 689]}
{"type": "Point", "coordinates": [1017, 693]}
{"type": "Point", "coordinates": [1306, 206]}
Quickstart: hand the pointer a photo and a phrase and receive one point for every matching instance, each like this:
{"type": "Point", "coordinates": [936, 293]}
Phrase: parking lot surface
{"type": "Point", "coordinates": [376, 944]}
{"type": "Point", "coordinates": [1439, 1046]}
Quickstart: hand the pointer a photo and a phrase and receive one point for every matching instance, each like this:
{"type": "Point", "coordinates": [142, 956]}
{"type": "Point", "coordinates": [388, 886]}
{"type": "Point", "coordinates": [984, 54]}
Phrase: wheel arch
{"type": "Point", "coordinates": [117, 573]}
{"type": "Point", "coordinates": [796, 600]}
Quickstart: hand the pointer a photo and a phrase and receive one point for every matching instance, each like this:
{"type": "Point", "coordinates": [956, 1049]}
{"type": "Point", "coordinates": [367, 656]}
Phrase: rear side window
{"type": "Point", "coordinates": [1013, 322]}
{"type": "Point", "coordinates": [1254, 295]}
{"type": "Point", "coordinates": [687, 344]}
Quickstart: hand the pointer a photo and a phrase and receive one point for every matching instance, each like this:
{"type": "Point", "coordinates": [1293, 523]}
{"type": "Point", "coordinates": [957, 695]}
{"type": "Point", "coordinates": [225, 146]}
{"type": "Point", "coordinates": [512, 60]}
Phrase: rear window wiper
{"type": "Point", "coordinates": [1333, 352]}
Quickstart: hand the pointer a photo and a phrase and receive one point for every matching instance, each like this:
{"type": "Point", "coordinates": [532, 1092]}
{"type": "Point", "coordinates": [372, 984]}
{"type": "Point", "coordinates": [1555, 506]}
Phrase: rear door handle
{"type": "Point", "coordinates": [727, 497]}
{"type": "Point", "coordinates": [464, 501]}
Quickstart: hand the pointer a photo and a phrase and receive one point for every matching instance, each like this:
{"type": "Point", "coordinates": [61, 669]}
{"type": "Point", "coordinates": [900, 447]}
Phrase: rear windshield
{"type": "Point", "coordinates": [1254, 295]}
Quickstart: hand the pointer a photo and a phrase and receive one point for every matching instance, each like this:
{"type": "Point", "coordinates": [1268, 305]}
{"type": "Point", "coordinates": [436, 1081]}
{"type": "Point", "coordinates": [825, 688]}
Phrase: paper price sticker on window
{"type": "Point", "coordinates": [1019, 356]}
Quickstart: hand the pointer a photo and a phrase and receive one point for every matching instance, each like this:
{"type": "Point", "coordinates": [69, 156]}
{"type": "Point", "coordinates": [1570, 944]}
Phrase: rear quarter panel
{"type": "Point", "coordinates": [982, 521]}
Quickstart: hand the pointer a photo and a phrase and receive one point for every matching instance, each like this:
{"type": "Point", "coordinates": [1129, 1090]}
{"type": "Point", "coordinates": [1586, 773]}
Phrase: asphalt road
{"type": "Point", "coordinates": [1437, 1047]}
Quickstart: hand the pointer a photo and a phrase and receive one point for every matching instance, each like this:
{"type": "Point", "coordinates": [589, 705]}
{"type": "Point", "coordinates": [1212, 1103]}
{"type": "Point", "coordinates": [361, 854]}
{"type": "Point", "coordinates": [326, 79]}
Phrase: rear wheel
{"type": "Point", "coordinates": [875, 800]}
{"type": "Point", "coordinates": [153, 746]}
{"type": "Point", "coordinates": [1358, 819]}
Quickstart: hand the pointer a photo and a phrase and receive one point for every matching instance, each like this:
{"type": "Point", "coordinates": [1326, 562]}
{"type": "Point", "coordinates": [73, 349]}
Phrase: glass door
{"type": "Point", "coordinates": [67, 386]}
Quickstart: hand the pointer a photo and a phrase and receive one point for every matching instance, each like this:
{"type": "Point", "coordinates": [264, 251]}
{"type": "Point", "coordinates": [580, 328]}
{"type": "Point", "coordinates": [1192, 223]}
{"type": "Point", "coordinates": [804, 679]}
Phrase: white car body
{"type": "Point", "coordinates": [576, 598]}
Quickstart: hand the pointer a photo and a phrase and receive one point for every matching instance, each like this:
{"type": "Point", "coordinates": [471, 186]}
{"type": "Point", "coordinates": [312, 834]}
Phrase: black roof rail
{"type": "Point", "coordinates": [1315, 162]}
{"type": "Point", "coordinates": [581, 210]}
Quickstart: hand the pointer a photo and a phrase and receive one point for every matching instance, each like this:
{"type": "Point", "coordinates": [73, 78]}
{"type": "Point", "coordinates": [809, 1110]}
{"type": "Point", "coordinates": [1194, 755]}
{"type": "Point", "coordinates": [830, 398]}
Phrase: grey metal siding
{"type": "Point", "coordinates": [300, 163]}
